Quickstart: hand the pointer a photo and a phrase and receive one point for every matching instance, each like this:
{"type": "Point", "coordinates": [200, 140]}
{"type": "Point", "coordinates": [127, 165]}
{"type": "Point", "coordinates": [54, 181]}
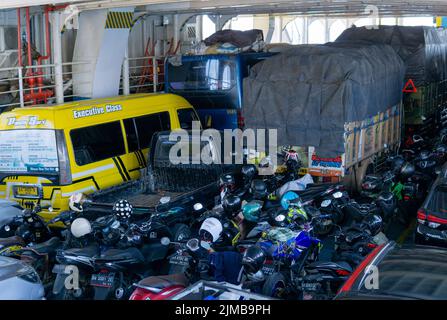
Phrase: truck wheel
{"type": "Point", "coordinates": [181, 232]}
{"type": "Point", "coordinates": [360, 174]}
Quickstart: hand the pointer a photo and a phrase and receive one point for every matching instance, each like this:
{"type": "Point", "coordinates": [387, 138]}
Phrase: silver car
{"type": "Point", "coordinates": [19, 281]}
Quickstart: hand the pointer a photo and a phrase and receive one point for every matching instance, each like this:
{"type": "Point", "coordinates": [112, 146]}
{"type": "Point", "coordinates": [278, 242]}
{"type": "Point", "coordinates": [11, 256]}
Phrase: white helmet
{"type": "Point", "coordinates": [210, 229]}
{"type": "Point", "coordinates": [80, 227]}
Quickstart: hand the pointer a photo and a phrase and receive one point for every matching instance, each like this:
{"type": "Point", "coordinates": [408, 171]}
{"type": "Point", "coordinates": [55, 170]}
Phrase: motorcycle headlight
{"type": "Point", "coordinates": [326, 203]}
{"type": "Point", "coordinates": [433, 225]}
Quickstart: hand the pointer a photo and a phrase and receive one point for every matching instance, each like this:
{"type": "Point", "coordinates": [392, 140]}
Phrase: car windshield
{"type": "Point", "coordinates": [438, 202]}
{"type": "Point", "coordinates": [205, 75]}
{"type": "Point", "coordinates": [28, 151]}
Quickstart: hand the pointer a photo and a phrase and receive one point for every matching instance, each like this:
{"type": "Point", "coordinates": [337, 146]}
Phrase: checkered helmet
{"type": "Point", "coordinates": [122, 209]}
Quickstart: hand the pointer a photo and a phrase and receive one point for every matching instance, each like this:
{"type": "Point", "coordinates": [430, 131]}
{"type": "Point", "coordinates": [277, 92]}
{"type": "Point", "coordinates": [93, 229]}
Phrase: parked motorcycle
{"type": "Point", "coordinates": [354, 242]}
{"type": "Point", "coordinates": [290, 269]}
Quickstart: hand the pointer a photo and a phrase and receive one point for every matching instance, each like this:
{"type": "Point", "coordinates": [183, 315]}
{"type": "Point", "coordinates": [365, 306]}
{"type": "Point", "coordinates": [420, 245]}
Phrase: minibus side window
{"type": "Point", "coordinates": [139, 131]}
{"type": "Point", "coordinates": [96, 143]}
{"type": "Point", "coordinates": [131, 135]}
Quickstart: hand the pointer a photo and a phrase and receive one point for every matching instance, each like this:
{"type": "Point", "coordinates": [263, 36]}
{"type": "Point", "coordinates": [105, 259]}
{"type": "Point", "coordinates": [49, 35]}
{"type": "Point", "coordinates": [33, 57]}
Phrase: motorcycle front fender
{"type": "Point", "coordinates": [59, 283]}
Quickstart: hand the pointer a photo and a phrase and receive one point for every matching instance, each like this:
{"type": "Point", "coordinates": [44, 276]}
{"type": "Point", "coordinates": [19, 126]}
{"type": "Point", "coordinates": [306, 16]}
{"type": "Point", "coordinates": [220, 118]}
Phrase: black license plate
{"type": "Point", "coordinates": [103, 279]}
{"type": "Point", "coordinates": [179, 260]}
{"type": "Point", "coordinates": [268, 269]}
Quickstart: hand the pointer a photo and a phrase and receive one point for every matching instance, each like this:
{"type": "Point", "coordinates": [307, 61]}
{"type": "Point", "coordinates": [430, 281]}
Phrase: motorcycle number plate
{"type": "Point", "coordinates": [103, 279]}
{"type": "Point", "coordinates": [268, 269]}
{"type": "Point", "coordinates": [179, 260]}
{"type": "Point", "coordinates": [310, 286]}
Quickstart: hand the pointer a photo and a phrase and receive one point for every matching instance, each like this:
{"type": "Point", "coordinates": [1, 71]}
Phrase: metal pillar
{"type": "Point", "coordinates": [57, 56]}
{"type": "Point", "coordinates": [125, 71]}
{"type": "Point", "coordinates": [176, 28]}
{"type": "Point", "coordinates": [271, 29]}
{"type": "Point", "coordinates": [305, 37]}
{"type": "Point", "coordinates": [20, 78]}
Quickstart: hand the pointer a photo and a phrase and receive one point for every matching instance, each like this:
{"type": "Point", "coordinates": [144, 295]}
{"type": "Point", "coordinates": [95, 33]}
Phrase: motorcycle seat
{"type": "Point", "coordinates": [10, 241]}
{"type": "Point", "coordinates": [89, 251]}
{"type": "Point", "coordinates": [157, 283]}
{"type": "Point", "coordinates": [340, 265]}
{"type": "Point", "coordinates": [120, 254]}
{"type": "Point", "coordinates": [46, 247]}
{"type": "Point", "coordinates": [360, 211]}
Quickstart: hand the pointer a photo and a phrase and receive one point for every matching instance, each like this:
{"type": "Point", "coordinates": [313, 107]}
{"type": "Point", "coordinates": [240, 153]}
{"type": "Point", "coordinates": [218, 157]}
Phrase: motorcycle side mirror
{"type": "Point", "coordinates": [165, 241]}
{"type": "Point", "coordinates": [193, 244]}
{"type": "Point", "coordinates": [198, 206]}
{"type": "Point", "coordinates": [338, 195]}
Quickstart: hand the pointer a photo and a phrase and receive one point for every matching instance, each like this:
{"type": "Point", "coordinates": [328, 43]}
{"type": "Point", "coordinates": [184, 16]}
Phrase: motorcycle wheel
{"type": "Point", "coordinates": [275, 286]}
{"type": "Point", "coordinates": [323, 229]}
{"type": "Point", "coordinates": [181, 232]}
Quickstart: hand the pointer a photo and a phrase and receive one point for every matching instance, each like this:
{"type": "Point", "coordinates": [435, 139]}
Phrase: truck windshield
{"type": "Point", "coordinates": [213, 74]}
{"type": "Point", "coordinates": [28, 151]}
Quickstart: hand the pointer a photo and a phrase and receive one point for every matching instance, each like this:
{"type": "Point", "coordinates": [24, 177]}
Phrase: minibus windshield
{"type": "Point", "coordinates": [28, 151]}
{"type": "Point", "coordinates": [211, 75]}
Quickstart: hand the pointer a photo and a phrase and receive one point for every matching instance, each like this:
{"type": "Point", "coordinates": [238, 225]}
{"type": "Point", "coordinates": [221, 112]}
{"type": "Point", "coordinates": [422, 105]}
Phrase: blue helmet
{"type": "Point", "coordinates": [287, 197]}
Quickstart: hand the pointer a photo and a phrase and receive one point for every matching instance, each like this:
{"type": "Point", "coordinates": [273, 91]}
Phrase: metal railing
{"type": "Point", "coordinates": [142, 74]}
{"type": "Point", "coordinates": [139, 75]}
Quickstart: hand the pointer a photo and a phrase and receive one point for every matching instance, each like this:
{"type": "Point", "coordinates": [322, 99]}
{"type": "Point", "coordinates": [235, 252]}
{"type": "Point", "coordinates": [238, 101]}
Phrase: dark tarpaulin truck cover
{"type": "Point", "coordinates": [308, 93]}
{"type": "Point", "coordinates": [423, 49]}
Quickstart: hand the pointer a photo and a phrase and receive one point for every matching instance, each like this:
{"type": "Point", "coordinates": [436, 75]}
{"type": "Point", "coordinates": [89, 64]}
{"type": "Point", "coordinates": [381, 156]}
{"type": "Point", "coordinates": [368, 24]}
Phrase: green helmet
{"type": "Point", "coordinates": [252, 211]}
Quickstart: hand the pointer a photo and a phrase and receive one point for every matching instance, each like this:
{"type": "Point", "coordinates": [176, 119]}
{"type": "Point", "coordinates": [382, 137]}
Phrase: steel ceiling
{"type": "Point", "coordinates": [309, 7]}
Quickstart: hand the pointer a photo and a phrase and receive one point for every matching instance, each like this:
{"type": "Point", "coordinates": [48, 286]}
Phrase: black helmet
{"type": "Point", "coordinates": [231, 204]}
{"type": "Point", "coordinates": [279, 218]}
{"type": "Point", "coordinates": [397, 163]}
{"type": "Point", "coordinates": [258, 189]}
{"type": "Point", "coordinates": [227, 180]}
{"type": "Point", "coordinates": [407, 170]}
{"type": "Point", "coordinates": [253, 259]}
{"type": "Point", "coordinates": [248, 171]}
{"type": "Point", "coordinates": [374, 223]}
{"type": "Point", "coordinates": [372, 182]}
{"type": "Point", "coordinates": [122, 209]}
{"type": "Point", "coordinates": [387, 202]}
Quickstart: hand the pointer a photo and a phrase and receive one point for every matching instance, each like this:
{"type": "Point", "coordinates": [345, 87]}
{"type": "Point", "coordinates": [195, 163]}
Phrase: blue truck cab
{"type": "Point", "coordinates": [213, 85]}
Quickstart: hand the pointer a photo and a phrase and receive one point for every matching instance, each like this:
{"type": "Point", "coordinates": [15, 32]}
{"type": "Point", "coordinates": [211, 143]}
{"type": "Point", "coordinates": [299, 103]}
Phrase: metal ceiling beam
{"type": "Point", "coordinates": [309, 7]}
